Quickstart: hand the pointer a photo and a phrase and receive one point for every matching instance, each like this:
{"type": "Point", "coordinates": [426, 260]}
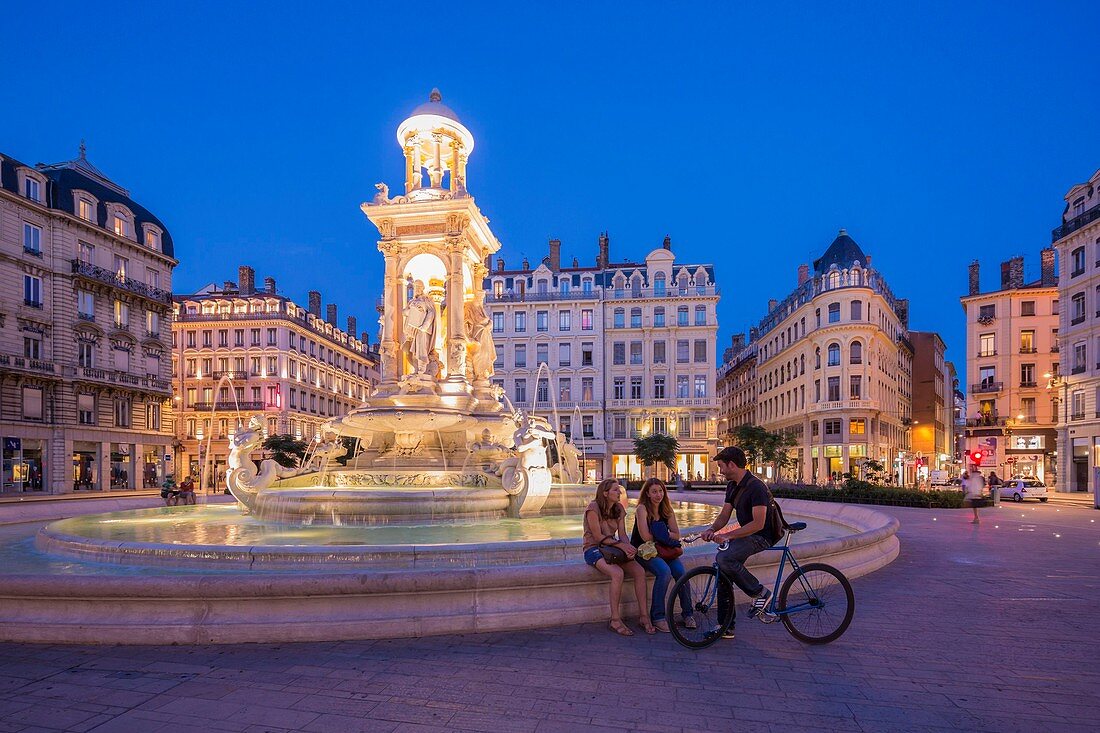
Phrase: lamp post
{"type": "Point", "coordinates": [1054, 381]}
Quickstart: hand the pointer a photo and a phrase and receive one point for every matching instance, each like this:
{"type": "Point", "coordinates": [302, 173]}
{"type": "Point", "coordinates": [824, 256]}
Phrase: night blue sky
{"type": "Point", "coordinates": [935, 134]}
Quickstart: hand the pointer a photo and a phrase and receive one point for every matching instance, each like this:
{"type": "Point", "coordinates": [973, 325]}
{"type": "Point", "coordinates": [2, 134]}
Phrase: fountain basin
{"type": "Point", "coordinates": [176, 604]}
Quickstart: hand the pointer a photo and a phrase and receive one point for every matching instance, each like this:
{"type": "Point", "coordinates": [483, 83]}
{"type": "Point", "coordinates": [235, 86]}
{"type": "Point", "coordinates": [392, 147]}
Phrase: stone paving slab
{"type": "Point", "coordinates": [973, 628]}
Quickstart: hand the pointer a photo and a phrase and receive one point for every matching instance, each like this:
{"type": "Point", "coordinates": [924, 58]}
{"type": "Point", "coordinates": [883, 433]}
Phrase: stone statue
{"type": "Point", "coordinates": [420, 324]}
{"type": "Point", "coordinates": [569, 467]}
{"type": "Point", "coordinates": [383, 195]}
{"type": "Point", "coordinates": [243, 480]}
{"type": "Point", "coordinates": [480, 330]}
{"type": "Point", "coordinates": [531, 455]}
{"type": "Point", "coordinates": [329, 449]}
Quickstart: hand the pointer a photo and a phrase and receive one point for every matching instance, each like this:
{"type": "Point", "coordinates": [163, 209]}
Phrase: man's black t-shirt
{"type": "Point", "coordinates": [753, 492]}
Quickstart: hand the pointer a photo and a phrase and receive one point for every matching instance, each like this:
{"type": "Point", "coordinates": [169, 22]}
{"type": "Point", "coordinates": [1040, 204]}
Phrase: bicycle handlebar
{"type": "Point", "coordinates": [689, 539]}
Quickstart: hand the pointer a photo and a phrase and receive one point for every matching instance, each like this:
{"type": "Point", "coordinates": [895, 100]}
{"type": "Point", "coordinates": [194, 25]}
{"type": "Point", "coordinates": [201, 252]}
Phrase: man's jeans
{"type": "Point", "coordinates": [732, 561]}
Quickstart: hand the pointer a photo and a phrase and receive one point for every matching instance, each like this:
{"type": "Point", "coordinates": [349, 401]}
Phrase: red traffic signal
{"type": "Point", "coordinates": [976, 457]}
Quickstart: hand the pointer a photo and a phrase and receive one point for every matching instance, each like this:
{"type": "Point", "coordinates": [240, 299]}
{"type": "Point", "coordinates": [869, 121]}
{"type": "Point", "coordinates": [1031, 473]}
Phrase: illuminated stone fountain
{"type": "Point", "coordinates": [436, 438]}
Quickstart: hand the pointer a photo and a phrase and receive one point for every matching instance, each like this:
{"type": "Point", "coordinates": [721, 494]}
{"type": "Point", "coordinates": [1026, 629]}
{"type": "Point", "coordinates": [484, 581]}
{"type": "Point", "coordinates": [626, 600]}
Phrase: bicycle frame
{"type": "Point", "coordinates": [787, 556]}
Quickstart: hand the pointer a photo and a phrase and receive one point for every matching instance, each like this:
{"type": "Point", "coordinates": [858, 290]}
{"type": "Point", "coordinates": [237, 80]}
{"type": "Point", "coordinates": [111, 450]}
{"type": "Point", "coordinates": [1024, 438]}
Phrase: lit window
{"type": "Point", "coordinates": [85, 210]}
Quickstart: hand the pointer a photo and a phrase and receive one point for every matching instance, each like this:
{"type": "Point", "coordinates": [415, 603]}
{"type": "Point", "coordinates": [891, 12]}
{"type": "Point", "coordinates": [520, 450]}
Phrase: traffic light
{"type": "Point", "coordinates": [976, 457]}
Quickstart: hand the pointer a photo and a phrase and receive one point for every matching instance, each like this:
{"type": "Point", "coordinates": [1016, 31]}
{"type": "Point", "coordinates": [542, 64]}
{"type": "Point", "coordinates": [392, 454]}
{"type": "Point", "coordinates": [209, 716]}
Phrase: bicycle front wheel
{"type": "Point", "coordinates": [710, 598]}
{"type": "Point", "coordinates": [816, 603]}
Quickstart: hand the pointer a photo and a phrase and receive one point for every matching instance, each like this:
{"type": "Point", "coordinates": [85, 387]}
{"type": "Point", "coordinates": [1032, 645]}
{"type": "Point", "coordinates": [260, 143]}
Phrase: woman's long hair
{"type": "Point", "coordinates": [656, 510]}
{"type": "Point", "coordinates": [608, 509]}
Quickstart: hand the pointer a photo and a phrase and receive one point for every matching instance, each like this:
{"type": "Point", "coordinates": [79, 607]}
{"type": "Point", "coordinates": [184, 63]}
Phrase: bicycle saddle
{"type": "Point", "coordinates": [796, 526]}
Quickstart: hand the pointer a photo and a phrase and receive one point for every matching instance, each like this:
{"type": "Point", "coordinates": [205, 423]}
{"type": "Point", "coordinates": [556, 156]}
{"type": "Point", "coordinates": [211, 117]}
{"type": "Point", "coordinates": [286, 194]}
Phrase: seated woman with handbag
{"type": "Point", "coordinates": [655, 521]}
{"type": "Point", "coordinates": [606, 549]}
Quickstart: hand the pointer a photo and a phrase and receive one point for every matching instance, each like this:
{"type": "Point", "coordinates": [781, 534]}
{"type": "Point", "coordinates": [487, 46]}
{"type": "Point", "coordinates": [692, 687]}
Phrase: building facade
{"type": "Point", "coordinates": [85, 299]}
{"type": "Point", "coordinates": [628, 349]}
{"type": "Point", "coordinates": [239, 351]}
{"type": "Point", "coordinates": [1012, 363]}
{"type": "Point", "coordinates": [833, 369]}
{"type": "Point", "coordinates": [1077, 242]}
{"type": "Point", "coordinates": [736, 386]}
{"type": "Point", "coordinates": [933, 404]}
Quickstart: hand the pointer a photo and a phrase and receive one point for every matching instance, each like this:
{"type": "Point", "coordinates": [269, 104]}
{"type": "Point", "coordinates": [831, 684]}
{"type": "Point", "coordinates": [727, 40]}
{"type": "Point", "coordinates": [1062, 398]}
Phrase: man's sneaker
{"type": "Point", "coordinates": [729, 633]}
{"type": "Point", "coordinates": [759, 602]}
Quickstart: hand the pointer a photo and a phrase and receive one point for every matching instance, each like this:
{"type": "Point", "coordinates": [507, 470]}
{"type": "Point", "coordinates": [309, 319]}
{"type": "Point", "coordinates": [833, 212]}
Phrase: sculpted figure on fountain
{"type": "Point", "coordinates": [482, 351]}
{"type": "Point", "coordinates": [243, 480]}
{"type": "Point", "coordinates": [419, 329]}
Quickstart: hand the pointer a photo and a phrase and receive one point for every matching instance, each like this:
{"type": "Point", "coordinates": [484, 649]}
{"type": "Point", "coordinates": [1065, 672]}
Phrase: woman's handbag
{"type": "Point", "coordinates": [668, 553]}
{"type": "Point", "coordinates": [613, 555]}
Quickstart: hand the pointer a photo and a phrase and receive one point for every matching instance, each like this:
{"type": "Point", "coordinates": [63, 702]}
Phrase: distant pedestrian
{"type": "Point", "coordinates": [975, 488]}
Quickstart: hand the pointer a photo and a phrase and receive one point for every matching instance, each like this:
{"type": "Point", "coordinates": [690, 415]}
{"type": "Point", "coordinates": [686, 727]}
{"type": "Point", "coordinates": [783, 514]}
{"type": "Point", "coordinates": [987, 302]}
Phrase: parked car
{"type": "Point", "coordinates": [1019, 489]}
{"type": "Point", "coordinates": [954, 482]}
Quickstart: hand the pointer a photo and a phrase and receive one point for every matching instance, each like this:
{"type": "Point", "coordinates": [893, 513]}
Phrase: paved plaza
{"type": "Point", "coordinates": [989, 627]}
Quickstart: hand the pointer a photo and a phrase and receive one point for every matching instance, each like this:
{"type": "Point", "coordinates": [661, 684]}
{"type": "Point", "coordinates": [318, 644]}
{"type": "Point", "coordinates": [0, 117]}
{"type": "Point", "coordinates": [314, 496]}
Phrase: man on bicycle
{"type": "Point", "coordinates": [749, 497]}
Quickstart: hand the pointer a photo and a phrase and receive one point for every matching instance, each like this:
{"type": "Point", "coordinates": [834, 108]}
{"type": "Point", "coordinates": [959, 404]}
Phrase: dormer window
{"type": "Point", "coordinates": [85, 209]}
{"type": "Point", "coordinates": [118, 224]}
{"type": "Point", "coordinates": [32, 189]}
{"type": "Point", "coordinates": [152, 237]}
{"type": "Point", "coordinates": [120, 220]}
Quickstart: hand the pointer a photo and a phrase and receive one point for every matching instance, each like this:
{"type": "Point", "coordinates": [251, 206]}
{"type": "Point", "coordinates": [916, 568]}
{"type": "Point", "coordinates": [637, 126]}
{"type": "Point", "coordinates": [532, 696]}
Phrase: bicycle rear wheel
{"type": "Point", "coordinates": [820, 601]}
{"type": "Point", "coordinates": [711, 595]}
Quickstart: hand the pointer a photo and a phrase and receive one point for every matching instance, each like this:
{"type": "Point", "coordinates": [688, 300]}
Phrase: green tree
{"type": "Point", "coordinates": [657, 448]}
{"type": "Point", "coordinates": [762, 446]}
{"type": "Point", "coordinates": [287, 450]}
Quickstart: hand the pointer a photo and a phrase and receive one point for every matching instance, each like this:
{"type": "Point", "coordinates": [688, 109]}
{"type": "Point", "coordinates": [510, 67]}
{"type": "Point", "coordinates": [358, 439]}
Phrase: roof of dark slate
{"type": "Point", "coordinates": [842, 253]}
{"type": "Point", "coordinates": [79, 174]}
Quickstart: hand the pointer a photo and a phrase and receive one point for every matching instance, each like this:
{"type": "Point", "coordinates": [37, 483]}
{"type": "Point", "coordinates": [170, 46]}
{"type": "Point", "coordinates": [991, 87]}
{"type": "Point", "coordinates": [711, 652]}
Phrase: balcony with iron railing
{"type": "Point", "coordinates": [988, 352]}
{"type": "Point", "coordinates": [1032, 349]}
{"type": "Point", "coordinates": [229, 405]}
{"type": "Point", "coordinates": [243, 376]}
{"type": "Point", "coordinates": [150, 382]}
{"type": "Point", "coordinates": [986, 386]}
{"type": "Point", "coordinates": [117, 280]}
{"type": "Point", "coordinates": [986, 421]}
{"type": "Point", "coordinates": [26, 364]}
{"type": "Point", "coordinates": [1075, 223]}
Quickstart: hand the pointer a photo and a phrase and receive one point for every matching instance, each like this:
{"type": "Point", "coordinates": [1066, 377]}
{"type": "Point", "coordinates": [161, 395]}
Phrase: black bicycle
{"type": "Point", "coordinates": [815, 602]}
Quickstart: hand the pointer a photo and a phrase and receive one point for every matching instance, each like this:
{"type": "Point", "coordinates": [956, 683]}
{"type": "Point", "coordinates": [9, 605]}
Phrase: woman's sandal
{"type": "Point", "coordinates": [619, 628]}
{"type": "Point", "coordinates": [647, 626]}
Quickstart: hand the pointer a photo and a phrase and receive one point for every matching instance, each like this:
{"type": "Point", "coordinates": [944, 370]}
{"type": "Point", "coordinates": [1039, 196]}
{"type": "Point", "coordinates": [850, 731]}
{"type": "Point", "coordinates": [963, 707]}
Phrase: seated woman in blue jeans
{"type": "Point", "coordinates": [654, 520]}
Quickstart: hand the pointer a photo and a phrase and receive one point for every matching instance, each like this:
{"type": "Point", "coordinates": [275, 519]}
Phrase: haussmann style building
{"type": "Point", "coordinates": [85, 300]}
{"type": "Point", "coordinates": [240, 351]}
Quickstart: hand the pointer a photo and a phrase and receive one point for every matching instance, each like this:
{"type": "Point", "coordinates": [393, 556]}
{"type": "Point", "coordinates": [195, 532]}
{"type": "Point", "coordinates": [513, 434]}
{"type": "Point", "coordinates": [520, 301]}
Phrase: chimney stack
{"type": "Point", "coordinates": [667, 244]}
{"type": "Point", "coordinates": [975, 284]}
{"type": "Point", "coordinates": [351, 326]}
{"type": "Point", "coordinates": [803, 274]}
{"type": "Point", "coordinates": [1047, 276]}
{"type": "Point", "coordinates": [500, 264]}
{"type": "Point", "coordinates": [365, 338]}
{"type": "Point", "coordinates": [315, 303]}
{"type": "Point", "coordinates": [772, 303]}
{"type": "Point", "coordinates": [269, 285]}
{"type": "Point", "coordinates": [576, 263]}
{"type": "Point", "coordinates": [555, 255]}
{"type": "Point", "coordinates": [330, 314]}
{"type": "Point", "coordinates": [738, 342]}
{"type": "Point", "coordinates": [246, 280]}
{"type": "Point", "coordinates": [526, 264]}
{"type": "Point", "coordinates": [603, 259]}
{"type": "Point", "coordinates": [1016, 272]}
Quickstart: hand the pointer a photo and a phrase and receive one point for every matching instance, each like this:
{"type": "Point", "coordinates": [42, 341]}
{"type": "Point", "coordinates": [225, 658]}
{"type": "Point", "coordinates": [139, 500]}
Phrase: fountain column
{"type": "Point", "coordinates": [391, 324]}
{"type": "Point", "coordinates": [456, 323]}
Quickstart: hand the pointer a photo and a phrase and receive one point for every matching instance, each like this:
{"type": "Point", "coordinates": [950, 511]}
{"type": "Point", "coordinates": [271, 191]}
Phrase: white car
{"type": "Point", "coordinates": [1019, 489]}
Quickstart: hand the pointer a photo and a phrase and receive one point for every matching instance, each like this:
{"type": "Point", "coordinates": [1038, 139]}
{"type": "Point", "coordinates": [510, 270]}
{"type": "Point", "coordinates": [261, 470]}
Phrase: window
{"type": "Point", "coordinates": [86, 252]}
{"type": "Point", "coordinates": [834, 312]}
{"type": "Point", "coordinates": [1078, 259]}
{"type": "Point", "coordinates": [855, 352]}
{"type": "Point", "coordinates": [586, 287]}
{"type": "Point", "coordinates": [817, 358]}
{"type": "Point", "coordinates": [565, 389]}
{"type": "Point", "coordinates": [1079, 357]}
{"type": "Point", "coordinates": [152, 239]}
{"type": "Point", "coordinates": [238, 337]}
{"type": "Point", "coordinates": [659, 387]}
{"type": "Point", "coordinates": [272, 340]}
{"type": "Point", "coordinates": [521, 390]}
{"type": "Point", "coordinates": [659, 285]}
{"type": "Point", "coordinates": [1078, 404]}
{"type": "Point", "coordinates": [987, 344]}
{"type": "Point", "coordinates": [521, 355]}
{"type": "Point", "coordinates": [586, 389]}
{"type": "Point", "coordinates": [987, 376]}
{"type": "Point", "coordinates": [543, 286]}
{"type": "Point", "coordinates": [682, 351]}
{"type": "Point", "coordinates": [1027, 342]}
{"type": "Point", "coordinates": [118, 225]}
{"type": "Point", "coordinates": [834, 354]}
{"type": "Point", "coordinates": [857, 426]}
{"type": "Point", "coordinates": [32, 403]}
{"type": "Point", "coordinates": [1027, 375]}
{"type": "Point", "coordinates": [817, 390]}
{"type": "Point", "coordinates": [586, 354]}
{"type": "Point", "coordinates": [542, 321]}
{"type": "Point", "coordinates": [563, 286]}
{"type": "Point", "coordinates": [32, 239]}
{"type": "Point", "coordinates": [586, 319]}
{"type": "Point", "coordinates": [498, 322]}
{"type": "Point", "coordinates": [635, 388]}
{"type": "Point", "coordinates": [1027, 308]}
{"type": "Point", "coordinates": [85, 409]}
{"type": "Point", "coordinates": [122, 413]}
{"type": "Point", "coordinates": [542, 390]}
{"type": "Point", "coordinates": [618, 388]}
{"type": "Point", "coordinates": [565, 320]}
{"type": "Point", "coordinates": [659, 317]}
{"type": "Point", "coordinates": [498, 288]}
{"type": "Point", "coordinates": [700, 315]}
{"type": "Point", "coordinates": [659, 352]}
{"type": "Point", "coordinates": [587, 426]}
{"type": "Point", "coordinates": [635, 352]}
{"type": "Point", "coordinates": [619, 318]}
{"type": "Point", "coordinates": [32, 291]}
{"type": "Point", "coordinates": [682, 386]}
{"type": "Point", "coordinates": [85, 305]}
{"type": "Point", "coordinates": [987, 313]}
{"type": "Point", "coordinates": [542, 354]}
{"type": "Point", "coordinates": [855, 387]}
{"type": "Point", "coordinates": [857, 310]}
{"type": "Point", "coordinates": [152, 416]}
{"type": "Point", "coordinates": [1078, 312]}
{"type": "Point", "coordinates": [700, 385]}
{"type": "Point", "coordinates": [152, 323]}
{"type": "Point", "coordinates": [565, 355]}
{"type": "Point", "coordinates": [1027, 408]}
{"type": "Point", "coordinates": [832, 427]}
{"type": "Point", "coordinates": [635, 317]}
{"type": "Point", "coordinates": [618, 353]}
{"type": "Point", "coordinates": [619, 426]}
{"type": "Point", "coordinates": [32, 189]}
{"type": "Point", "coordinates": [84, 354]}
{"type": "Point", "coordinates": [32, 347]}
{"type": "Point", "coordinates": [700, 351]}
{"type": "Point", "coordinates": [682, 316]}
{"type": "Point", "coordinates": [521, 321]}
{"type": "Point", "coordinates": [1079, 206]}
{"type": "Point", "coordinates": [660, 425]}
{"type": "Point", "coordinates": [85, 210]}
{"type": "Point", "coordinates": [833, 390]}
{"type": "Point", "coordinates": [122, 314]}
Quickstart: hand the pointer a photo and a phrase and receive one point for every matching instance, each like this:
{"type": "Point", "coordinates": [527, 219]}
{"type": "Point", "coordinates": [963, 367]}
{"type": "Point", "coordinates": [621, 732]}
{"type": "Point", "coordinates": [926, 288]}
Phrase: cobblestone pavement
{"type": "Point", "coordinates": [990, 627]}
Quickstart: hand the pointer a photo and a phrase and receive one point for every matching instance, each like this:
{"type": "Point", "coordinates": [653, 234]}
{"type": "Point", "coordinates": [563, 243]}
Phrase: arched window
{"type": "Point", "coordinates": [856, 352]}
{"type": "Point", "coordinates": [802, 364]}
{"type": "Point", "coordinates": [834, 279]}
{"type": "Point", "coordinates": [659, 284]}
{"type": "Point", "coordinates": [834, 354]}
